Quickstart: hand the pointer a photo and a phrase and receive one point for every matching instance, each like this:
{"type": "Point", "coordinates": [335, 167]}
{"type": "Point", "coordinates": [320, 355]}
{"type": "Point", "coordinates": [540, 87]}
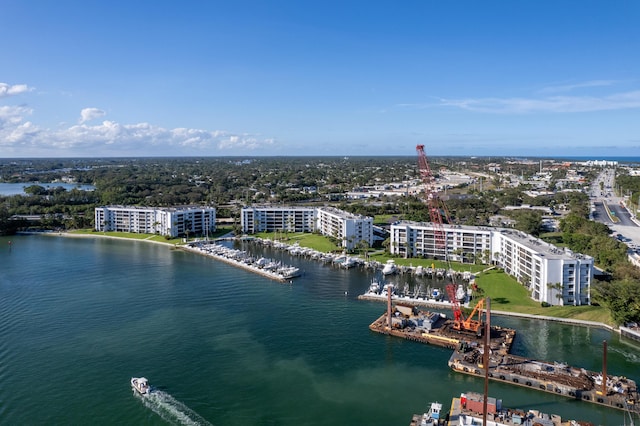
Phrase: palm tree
{"type": "Point", "coordinates": [364, 246]}
{"type": "Point", "coordinates": [187, 228]}
{"type": "Point", "coordinates": [557, 287]}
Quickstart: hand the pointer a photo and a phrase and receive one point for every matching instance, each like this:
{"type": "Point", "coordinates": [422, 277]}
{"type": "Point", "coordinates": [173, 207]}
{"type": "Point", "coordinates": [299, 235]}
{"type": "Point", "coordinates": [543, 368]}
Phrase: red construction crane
{"type": "Point", "coordinates": [438, 213]}
{"type": "Point", "coordinates": [437, 208]}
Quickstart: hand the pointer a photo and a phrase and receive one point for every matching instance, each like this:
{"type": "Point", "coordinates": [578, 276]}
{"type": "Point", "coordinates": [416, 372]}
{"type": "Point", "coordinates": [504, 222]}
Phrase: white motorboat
{"type": "Point", "coordinates": [374, 288]}
{"type": "Point", "coordinates": [349, 262]}
{"type": "Point", "coordinates": [389, 267]}
{"type": "Point", "coordinates": [288, 272]}
{"type": "Point", "coordinates": [141, 385]}
{"type": "Point", "coordinates": [461, 294]}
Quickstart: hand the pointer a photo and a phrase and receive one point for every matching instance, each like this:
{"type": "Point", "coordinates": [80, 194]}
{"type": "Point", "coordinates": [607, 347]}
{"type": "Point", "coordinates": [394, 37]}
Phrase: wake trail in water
{"type": "Point", "coordinates": [171, 410]}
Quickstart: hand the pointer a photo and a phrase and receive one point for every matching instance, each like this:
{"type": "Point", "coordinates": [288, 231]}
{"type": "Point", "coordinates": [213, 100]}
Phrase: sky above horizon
{"type": "Point", "coordinates": [260, 78]}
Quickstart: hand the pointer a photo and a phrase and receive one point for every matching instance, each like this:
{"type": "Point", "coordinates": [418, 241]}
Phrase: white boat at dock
{"type": "Point", "coordinates": [288, 272]}
{"type": "Point", "coordinates": [389, 267]}
{"type": "Point", "coordinates": [349, 262]}
{"type": "Point", "coordinates": [374, 288]}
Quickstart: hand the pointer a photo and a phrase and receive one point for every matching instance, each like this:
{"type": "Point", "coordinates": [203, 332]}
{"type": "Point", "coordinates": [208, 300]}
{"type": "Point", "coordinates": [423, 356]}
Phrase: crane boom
{"type": "Point", "coordinates": [438, 213]}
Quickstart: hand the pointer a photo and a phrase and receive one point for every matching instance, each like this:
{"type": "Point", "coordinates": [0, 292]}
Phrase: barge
{"type": "Point", "coordinates": [405, 320]}
{"type": "Point", "coordinates": [491, 345]}
{"type": "Point", "coordinates": [558, 378]}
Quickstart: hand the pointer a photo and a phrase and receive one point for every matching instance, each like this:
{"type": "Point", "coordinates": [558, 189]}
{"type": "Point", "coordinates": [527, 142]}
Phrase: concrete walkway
{"type": "Point", "coordinates": [555, 319]}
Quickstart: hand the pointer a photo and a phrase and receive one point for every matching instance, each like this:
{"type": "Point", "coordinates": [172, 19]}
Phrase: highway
{"type": "Point", "coordinates": [602, 193]}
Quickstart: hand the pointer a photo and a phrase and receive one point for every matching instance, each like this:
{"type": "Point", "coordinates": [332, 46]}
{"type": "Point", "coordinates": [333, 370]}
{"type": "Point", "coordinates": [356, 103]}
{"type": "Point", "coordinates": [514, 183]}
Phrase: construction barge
{"type": "Point", "coordinates": [470, 339]}
{"type": "Point", "coordinates": [552, 377]}
{"type": "Point", "coordinates": [436, 329]}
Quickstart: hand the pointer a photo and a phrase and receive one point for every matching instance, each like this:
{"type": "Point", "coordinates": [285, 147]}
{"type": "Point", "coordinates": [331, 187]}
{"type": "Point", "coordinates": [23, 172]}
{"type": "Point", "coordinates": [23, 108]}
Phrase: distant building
{"type": "Point", "coordinates": [552, 275]}
{"type": "Point", "coordinates": [172, 222]}
{"type": "Point", "coordinates": [348, 228]}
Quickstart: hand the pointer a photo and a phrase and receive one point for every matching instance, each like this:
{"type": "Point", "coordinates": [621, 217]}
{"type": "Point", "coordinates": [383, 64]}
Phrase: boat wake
{"type": "Point", "coordinates": [171, 410]}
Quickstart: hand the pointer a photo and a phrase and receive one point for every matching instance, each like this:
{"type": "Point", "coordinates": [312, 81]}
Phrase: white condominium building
{"type": "Point", "coordinates": [552, 275]}
{"type": "Point", "coordinates": [277, 218]}
{"type": "Point", "coordinates": [350, 229]}
{"type": "Point", "coordinates": [173, 222]}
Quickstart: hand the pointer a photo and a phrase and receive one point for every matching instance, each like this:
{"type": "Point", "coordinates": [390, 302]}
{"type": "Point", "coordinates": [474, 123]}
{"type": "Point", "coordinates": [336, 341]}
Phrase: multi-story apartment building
{"type": "Point", "coordinates": [552, 275]}
{"type": "Point", "coordinates": [348, 228]}
{"type": "Point", "coordinates": [173, 222]}
{"type": "Point", "coordinates": [277, 218]}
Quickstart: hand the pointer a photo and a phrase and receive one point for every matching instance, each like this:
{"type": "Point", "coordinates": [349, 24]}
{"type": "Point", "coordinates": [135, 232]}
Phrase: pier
{"type": "Point", "coordinates": [240, 259]}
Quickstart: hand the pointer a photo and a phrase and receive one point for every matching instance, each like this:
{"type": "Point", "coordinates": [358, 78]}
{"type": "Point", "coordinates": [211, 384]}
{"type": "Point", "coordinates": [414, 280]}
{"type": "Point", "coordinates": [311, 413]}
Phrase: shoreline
{"type": "Point", "coordinates": [584, 323]}
{"type": "Point", "coordinates": [113, 237]}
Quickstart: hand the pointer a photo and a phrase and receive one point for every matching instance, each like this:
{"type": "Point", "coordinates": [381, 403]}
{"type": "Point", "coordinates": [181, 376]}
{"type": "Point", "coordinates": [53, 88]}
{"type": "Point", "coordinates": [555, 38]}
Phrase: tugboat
{"type": "Point", "coordinates": [141, 385]}
{"type": "Point", "coordinates": [430, 418]}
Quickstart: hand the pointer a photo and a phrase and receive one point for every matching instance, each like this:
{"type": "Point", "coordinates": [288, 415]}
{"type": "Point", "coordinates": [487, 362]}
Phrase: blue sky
{"type": "Point", "coordinates": [214, 78]}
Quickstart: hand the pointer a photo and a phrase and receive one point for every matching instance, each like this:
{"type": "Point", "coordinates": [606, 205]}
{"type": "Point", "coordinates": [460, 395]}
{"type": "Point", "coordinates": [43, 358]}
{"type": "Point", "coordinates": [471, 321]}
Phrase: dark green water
{"type": "Point", "coordinates": [79, 317]}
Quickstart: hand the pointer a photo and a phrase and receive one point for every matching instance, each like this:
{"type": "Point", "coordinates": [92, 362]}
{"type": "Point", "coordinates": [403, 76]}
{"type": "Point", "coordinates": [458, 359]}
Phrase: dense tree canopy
{"type": "Point", "coordinates": [621, 297]}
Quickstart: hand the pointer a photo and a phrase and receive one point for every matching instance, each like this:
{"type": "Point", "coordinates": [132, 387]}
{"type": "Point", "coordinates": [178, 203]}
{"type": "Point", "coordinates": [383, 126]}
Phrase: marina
{"type": "Point", "coordinates": [76, 312]}
{"type": "Point", "coordinates": [266, 267]}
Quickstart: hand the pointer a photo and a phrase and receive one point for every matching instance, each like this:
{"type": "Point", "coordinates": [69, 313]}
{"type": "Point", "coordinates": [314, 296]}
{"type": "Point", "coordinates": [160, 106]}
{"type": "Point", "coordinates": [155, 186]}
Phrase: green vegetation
{"type": "Point", "coordinates": [588, 237]}
{"type": "Point", "coordinates": [314, 241]}
{"type": "Point", "coordinates": [622, 298]}
{"type": "Point", "coordinates": [230, 183]}
{"type": "Point", "coordinates": [508, 295]}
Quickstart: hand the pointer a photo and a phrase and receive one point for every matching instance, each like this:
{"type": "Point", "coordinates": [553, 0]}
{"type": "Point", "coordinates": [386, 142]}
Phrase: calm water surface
{"type": "Point", "coordinates": [79, 317]}
{"type": "Point", "coordinates": [18, 188]}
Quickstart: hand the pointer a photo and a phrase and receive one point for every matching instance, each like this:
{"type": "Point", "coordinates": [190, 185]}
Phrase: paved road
{"type": "Point", "coordinates": [601, 193]}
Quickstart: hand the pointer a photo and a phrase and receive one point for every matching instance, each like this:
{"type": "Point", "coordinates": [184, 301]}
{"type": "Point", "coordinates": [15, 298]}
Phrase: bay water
{"type": "Point", "coordinates": [223, 346]}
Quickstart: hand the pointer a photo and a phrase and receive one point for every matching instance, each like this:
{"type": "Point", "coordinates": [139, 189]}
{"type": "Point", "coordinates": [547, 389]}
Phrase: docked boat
{"type": "Point", "coordinates": [461, 294]}
{"type": "Point", "coordinates": [389, 267]}
{"type": "Point", "coordinates": [288, 272]}
{"type": "Point", "coordinates": [430, 418]}
{"type": "Point", "coordinates": [141, 385]}
{"type": "Point", "coordinates": [349, 262]}
{"type": "Point", "coordinates": [374, 288]}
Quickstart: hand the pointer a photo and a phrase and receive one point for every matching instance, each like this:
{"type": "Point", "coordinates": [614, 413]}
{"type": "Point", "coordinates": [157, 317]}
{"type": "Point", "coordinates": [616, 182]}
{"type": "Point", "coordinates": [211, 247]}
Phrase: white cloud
{"type": "Point", "coordinates": [23, 138]}
{"type": "Point", "coordinates": [10, 90]}
{"type": "Point", "coordinates": [585, 84]}
{"type": "Point", "coordinates": [89, 114]}
{"type": "Point", "coordinates": [552, 104]}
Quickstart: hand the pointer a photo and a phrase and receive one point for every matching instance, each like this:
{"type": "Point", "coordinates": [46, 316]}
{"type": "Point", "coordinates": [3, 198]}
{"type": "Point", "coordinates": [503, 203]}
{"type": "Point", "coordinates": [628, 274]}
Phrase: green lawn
{"type": "Point", "coordinates": [507, 294]}
{"type": "Point", "coordinates": [314, 241]}
{"type": "Point", "coordinates": [382, 257]}
{"type": "Point", "coordinates": [385, 219]}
